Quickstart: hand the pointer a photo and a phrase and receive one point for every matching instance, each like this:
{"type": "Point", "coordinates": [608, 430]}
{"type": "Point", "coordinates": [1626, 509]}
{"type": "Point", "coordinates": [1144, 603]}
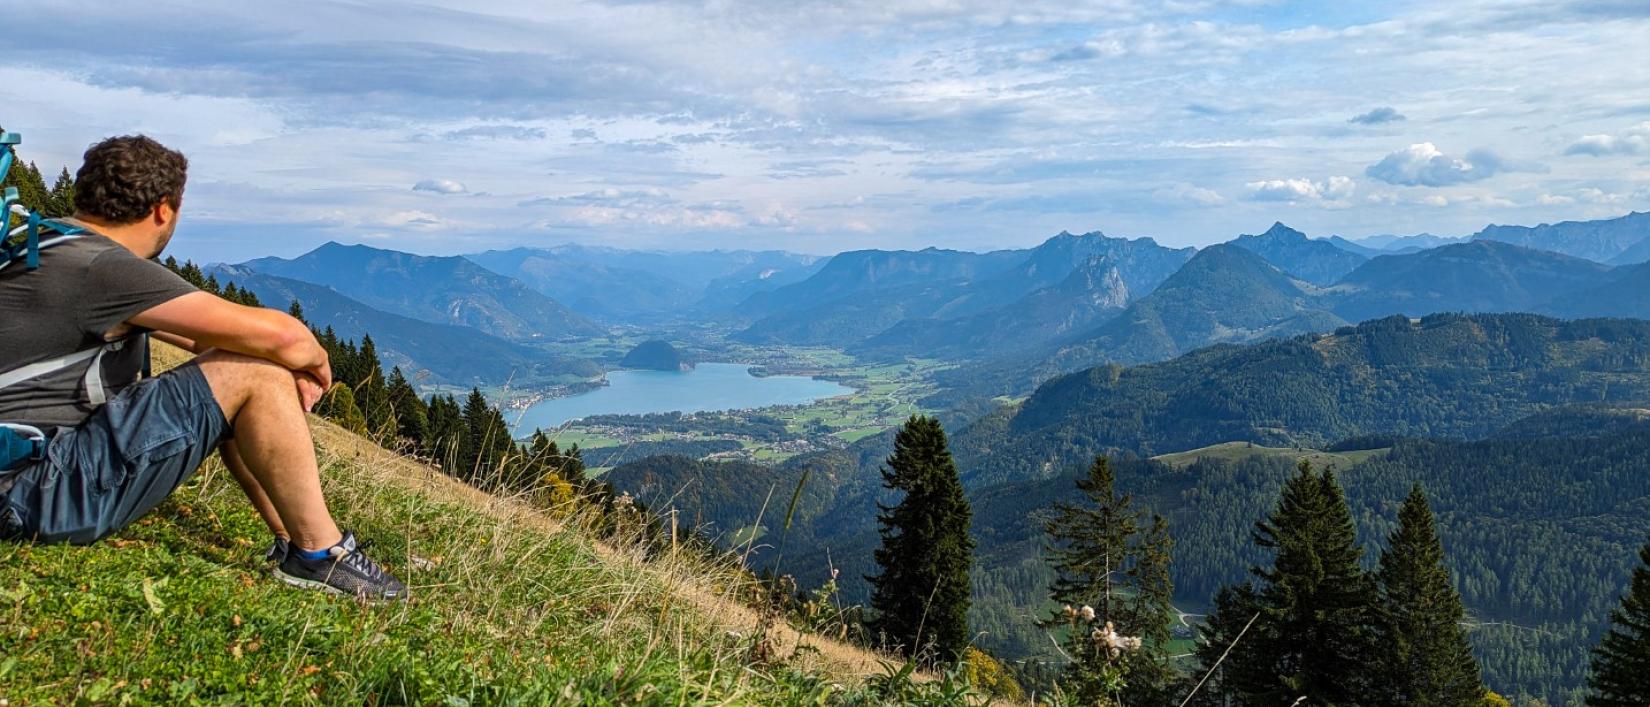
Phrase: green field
{"type": "Point", "coordinates": [885, 395]}
{"type": "Point", "coordinates": [1233, 451]}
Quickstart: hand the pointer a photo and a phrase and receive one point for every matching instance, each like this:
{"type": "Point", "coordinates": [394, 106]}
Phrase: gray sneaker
{"type": "Point", "coordinates": [277, 550]}
{"type": "Point", "coordinates": [345, 570]}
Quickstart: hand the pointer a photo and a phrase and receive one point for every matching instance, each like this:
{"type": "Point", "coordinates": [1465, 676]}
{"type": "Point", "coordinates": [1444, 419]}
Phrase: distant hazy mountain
{"type": "Point", "coordinates": [630, 285]}
{"type": "Point", "coordinates": [1634, 255]}
{"type": "Point", "coordinates": [1625, 294]}
{"type": "Point", "coordinates": [595, 290]}
{"type": "Point", "coordinates": [696, 269]}
{"type": "Point", "coordinates": [857, 273]}
{"type": "Point", "coordinates": [1478, 276]}
{"type": "Point", "coordinates": [863, 293]}
{"type": "Point", "coordinates": [1141, 263]}
{"type": "Point", "coordinates": [425, 351]}
{"type": "Point", "coordinates": [447, 290]}
{"type": "Point", "coordinates": [1355, 247]}
{"type": "Point", "coordinates": [1225, 294]}
{"type": "Point", "coordinates": [845, 321]}
{"type": "Point", "coordinates": [1605, 241]}
{"type": "Point", "coordinates": [727, 291]}
{"type": "Point", "coordinates": [1319, 262]}
{"type": "Point", "coordinates": [1087, 296]}
{"type": "Point", "coordinates": [1405, 244]}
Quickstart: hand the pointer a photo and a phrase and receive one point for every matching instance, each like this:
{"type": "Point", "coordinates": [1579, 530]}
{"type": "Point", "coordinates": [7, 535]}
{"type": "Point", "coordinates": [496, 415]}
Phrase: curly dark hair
{"type": "Point", "coordinates": [122, 179]}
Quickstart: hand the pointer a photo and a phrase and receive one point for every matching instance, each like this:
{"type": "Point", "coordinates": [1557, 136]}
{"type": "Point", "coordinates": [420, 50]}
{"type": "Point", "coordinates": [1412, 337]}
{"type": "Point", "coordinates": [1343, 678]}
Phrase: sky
{"type": "Point", "coordinates": [451, 127]}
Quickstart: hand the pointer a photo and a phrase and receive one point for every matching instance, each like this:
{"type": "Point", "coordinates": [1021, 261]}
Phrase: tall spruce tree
{"type": "Point", "coordinates": [1220, 663]}
{"type": "Point", "coordinates": [1425, 659]}
{"type": "Point", "coordinates": [921, 597]}
{"type": "Point", "coordinates": [60, 200]}
{"type": "Point", "coordinates": [445, 441]}
{"type": "Point", "coordinates": [1621, 662]}
{"type": "Point", "coordinates": [412, 416]}
{"type": "Point", "coordinates": [1315, 635]}
{"type": "Point", "coordinates": [1105, 556]}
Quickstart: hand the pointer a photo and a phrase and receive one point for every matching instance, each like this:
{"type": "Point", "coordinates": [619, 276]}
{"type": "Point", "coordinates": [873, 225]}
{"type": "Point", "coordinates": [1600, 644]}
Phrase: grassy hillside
{"type": "Point", "coordinates": [1237, 451]}
{"type": "Point", "coordinates": [510, 606]}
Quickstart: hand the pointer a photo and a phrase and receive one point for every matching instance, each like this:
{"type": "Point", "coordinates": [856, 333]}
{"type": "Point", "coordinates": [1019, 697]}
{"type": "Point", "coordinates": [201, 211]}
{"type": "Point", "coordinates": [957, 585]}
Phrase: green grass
{"type": "Point", "coordinates": [507, 609]}
{"type": "Point", "coordinates": [585, 440]}
{"type": "Point", "coordinates": [1234, 451]}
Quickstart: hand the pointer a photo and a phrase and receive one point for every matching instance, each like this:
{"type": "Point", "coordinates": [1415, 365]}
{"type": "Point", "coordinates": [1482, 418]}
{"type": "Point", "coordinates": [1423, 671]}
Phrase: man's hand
{"type": "Point", "coordinates": [309, 390]}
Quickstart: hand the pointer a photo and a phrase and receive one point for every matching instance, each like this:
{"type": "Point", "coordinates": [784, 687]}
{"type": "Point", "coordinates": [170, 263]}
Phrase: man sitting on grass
{"type": "Point", "coordinates": [117, 445]}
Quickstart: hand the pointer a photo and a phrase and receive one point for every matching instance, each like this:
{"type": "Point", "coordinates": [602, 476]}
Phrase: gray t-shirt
{"type": "Point", "coordinates": [84, 291]}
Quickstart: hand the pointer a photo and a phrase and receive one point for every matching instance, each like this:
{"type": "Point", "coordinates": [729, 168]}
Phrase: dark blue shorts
{"type": "Point", "coordinates": [119, 464]}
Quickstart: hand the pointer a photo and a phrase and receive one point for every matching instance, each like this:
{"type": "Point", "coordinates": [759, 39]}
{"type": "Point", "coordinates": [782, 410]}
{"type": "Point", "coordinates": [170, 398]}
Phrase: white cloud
{"type": "Point", "coordinates": [1555, 200]}
{"type": "Point", "coordinates": [1190, 194]}
{"type": "Point", "coordinates": [1633, 141]}
{"type": "Point", "coordinates": [440, 186]}
{"type": "Point", "coordinates": [1332, 189]}
{"type": "Point", "coordinates": [1153, 108]}
{"type": "Point", "coordinates": [1424, 165]}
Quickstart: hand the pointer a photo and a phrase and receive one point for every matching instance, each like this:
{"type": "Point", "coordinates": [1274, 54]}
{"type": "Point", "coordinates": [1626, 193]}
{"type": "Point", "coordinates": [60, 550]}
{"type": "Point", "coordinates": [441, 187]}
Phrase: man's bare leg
{"type": "Point", "coordinates": [272, 438]}
{"type": "Point", "coordinates": [231, 454]}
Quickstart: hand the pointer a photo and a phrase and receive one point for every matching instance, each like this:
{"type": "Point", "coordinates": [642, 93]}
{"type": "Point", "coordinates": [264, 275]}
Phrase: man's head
{"type": "Point", "coordinates": [134, 184]}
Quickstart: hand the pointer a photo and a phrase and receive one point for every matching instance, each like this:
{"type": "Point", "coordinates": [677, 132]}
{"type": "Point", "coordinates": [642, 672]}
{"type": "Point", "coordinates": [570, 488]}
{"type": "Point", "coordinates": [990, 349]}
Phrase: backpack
{"type": "Point", "coordinates": [20, 444]}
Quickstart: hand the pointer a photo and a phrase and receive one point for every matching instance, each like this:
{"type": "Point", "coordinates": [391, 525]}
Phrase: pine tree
{"type": "Point", "coordinates": [191, 273]}
{"type": "Point", "coordinates": [412, 416]}
{"type": "Point", "coordinates": [486, 443]}
{"type": "Point", "coordinates": [296, 309]}
{"type": "Point", "coordinates": [445, 440]}
{"type": "Point", "coordinates": [373, 392]}
{"type": "Point", "coordinates": [60, 200]}
{"type": "Point", "coordinates": [1425, 657]}
{"type": "Point", "coordinates": [1621, 662]}
{"type": "Point", "coordinates": [31, 189]}
{"type": "Point", "coordinates": [1104, 558]}
{"type": "Point", "coordinates": [1314, 638]}
{"type": "Point", "coordinates": [1222, 636]}
{"type": "Point", "coordinates": [921, 597]}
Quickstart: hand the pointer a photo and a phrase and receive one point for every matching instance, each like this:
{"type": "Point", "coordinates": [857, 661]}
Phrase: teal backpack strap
{"type": "Point", "coordinates": [20, 444]}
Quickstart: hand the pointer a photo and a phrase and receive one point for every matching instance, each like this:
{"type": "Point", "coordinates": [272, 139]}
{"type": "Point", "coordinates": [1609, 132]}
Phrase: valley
{"type": "Point", "coordinates": [1205, 375]}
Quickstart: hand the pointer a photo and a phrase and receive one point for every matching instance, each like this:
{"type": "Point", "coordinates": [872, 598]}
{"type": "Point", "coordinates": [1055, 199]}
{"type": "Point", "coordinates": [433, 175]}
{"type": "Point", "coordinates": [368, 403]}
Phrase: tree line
{"type": "Point", "coordinates": [1311, 625]}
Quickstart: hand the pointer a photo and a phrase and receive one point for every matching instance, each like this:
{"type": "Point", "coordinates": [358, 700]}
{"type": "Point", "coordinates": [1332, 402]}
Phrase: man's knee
{"type": "Point", "coordinates": [235, 378]}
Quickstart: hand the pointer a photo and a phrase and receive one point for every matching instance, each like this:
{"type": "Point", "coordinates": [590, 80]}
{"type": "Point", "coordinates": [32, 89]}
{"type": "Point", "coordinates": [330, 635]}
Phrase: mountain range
{"type": "Point", "coordinates": [616, 285]}
{"type": "Point", "coordinates": [1320, 262]}
{"type": "Point", "coordinates": [862, 294]}
{"type": "Point", "coordinates": [448, 290]}
{"type": "Point", "coordinates": [429, 353]}
{"type": "Point", "coordinates": [1617, 241]}
{"type": "Point", "coordinates": [1087, 295]}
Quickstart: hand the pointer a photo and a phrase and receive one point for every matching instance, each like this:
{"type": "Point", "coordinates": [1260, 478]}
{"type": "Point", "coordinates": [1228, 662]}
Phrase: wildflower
{"type": "Point", "coordinates": [1114, 644]}
{"type": "Point", "coordinates": [1088, 613]}
{"type": "Point", "coordinates": [1070, 612]}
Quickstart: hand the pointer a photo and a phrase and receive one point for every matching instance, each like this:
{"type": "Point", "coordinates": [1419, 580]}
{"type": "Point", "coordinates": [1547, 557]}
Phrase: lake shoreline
{"type": "Point", "coordinates": [707, 387]}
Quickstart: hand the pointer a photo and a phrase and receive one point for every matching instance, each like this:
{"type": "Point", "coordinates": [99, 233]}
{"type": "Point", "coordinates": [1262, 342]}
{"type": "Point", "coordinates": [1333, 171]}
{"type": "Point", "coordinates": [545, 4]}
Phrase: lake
{"type": "Point", "coordinates": [709, 386]}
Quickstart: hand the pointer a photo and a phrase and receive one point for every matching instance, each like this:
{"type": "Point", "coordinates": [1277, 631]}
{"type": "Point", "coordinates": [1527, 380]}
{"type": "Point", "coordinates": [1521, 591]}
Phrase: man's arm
{"type": "Point", "coordinates": [208, 321]}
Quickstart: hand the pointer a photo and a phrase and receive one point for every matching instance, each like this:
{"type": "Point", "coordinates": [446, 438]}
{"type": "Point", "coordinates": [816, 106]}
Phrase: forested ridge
{"type": "Point", "coordinates": [1446, 375]}
{"type": "Point", "coordinates": [1538, 487]}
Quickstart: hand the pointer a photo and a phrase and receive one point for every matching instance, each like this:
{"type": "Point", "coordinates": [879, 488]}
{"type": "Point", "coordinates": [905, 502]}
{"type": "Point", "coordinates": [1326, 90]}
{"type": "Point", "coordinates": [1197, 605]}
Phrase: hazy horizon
{"type": "Point", "coordinates": [821, 127]}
